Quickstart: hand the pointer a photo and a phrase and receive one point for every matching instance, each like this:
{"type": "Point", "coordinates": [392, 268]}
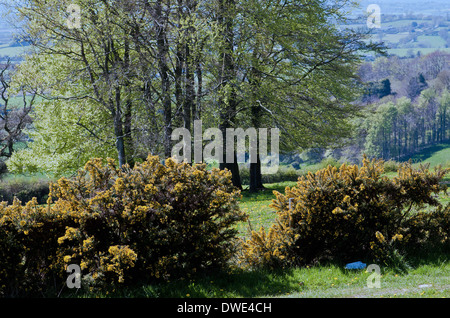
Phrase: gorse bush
{"type": "Point", "coordinates": [351, 213]}
{"type": "Point", "coordinates": [120, 226]}
{"type": "Point", "coordinates": [28, 247]}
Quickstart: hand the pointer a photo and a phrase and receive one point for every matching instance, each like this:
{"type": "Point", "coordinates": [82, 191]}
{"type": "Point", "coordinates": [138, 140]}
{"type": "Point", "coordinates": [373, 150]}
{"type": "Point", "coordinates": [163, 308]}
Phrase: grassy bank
{"type": "Point", "coordinates": [427, 280]}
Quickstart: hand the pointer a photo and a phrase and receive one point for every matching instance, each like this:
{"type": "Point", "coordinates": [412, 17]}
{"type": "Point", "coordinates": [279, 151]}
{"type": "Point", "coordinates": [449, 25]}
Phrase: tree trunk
{"type": "Point", "coordinates": [256, 176]}
{"type": "Point", "coordinates": [190, 92]}
{"type": "Point", "coordinates": [128, 110]}
{"type": "Point", "coordinates": [255, 167]}
{"type": "Point", "coordinates": [227, 99]}
{"type": "Point", "coordinates": [118, 132]}
{"type": "Point", "coordinates": [162, 45]}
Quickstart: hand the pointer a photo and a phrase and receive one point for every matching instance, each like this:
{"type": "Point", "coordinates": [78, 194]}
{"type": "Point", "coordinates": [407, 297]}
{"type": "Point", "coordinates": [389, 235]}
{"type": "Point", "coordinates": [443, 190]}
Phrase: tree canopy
{"type": "Point", "coordinates": [120, 76]}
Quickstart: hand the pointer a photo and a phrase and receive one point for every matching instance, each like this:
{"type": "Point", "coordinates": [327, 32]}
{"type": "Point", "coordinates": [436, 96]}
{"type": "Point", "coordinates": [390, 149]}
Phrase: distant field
{"type": "Point", "coordinates": [17, 101]}
{"type": "Point", "coordinates": [434, 155]}
{"type": "Point", "coordinates": [12, 51]}
{"type": "Point", "coordinates": [434, 41]}
{"type": "Point", "coordinates": [423, 51]}
{"type": "Point", "coordinates": [400, 23]}
{"type": "Point", "coordinates": [394, 38]}
{"type": "Point", "coordinates": [424, 43]}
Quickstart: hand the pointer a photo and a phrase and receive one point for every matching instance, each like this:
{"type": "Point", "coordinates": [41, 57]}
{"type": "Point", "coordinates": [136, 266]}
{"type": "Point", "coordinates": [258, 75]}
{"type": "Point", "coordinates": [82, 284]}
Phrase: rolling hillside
{"type": "Point", "coordinates": [434, 155]}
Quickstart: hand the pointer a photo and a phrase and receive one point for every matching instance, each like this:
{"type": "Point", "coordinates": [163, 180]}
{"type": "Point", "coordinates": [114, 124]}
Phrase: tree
{"type": "Point", "coordinates": [415, 86]}
{"type": "Point", "coordinates": [290, 53]}
{"type": "Point", "coordinates": [377, 90]}
{"type": "Point", "coordinates": [147, 67]}
{"type": "Point", "coordinates": [386, 88]}
{"type": "Point", "coordinates": [381, 139]}
{"type": "Point", "coordinates": [65, 132]}
{"type": "Point", "coordinates": [227, 99]}
{"type": "Point", "coordinates": [97, 52]}
{"type": "Point", "coordinates": [443, 114]}
{"type": "Point", "coordinates": [428, 105]}
{"type": "Point", "coordinates": [406, 126]}
{"type": "Point", "coordinates": [13, 118]}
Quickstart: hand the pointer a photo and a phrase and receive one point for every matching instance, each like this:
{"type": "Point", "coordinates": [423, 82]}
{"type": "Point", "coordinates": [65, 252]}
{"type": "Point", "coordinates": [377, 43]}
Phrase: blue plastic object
{"type": "Point", "coordinates": [355, 265]}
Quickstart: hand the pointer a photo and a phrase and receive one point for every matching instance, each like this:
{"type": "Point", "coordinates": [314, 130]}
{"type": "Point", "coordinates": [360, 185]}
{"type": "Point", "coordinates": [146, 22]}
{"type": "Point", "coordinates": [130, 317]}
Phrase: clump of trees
{"type": "Point", "coordinates": [125, 75]}
{"type": "Point", "coordinates": [400, 128]}
{"type": "Point", "coordinates": [415, 114]}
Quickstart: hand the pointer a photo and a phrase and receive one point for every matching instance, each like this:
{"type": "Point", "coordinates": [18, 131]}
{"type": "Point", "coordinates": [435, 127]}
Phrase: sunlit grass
{"type": "Point", "coordinates": [256, 206]}
{"type": "Point", "coordinates": [321, 281]}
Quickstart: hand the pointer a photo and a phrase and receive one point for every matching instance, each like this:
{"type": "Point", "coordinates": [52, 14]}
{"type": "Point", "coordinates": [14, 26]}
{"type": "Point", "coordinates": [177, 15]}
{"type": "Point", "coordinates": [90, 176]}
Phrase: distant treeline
{"type": "Point", "coordinates": [406, 108]}
{"type": "Point", "coordinates": [409, 103]}
{"type": "Point", "coordinates": [399, 128]}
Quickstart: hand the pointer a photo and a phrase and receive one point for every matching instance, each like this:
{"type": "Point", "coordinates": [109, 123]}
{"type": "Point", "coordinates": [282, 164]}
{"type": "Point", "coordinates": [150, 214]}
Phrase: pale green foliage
{"type": "Point", "coordinates": [69, 126]}
{"type": "Point", "coordinates": [60, 145]}
{"type": "Point", "coordinates": [285, 65]}
{"type": "Point", "coordinates": [58, 142]}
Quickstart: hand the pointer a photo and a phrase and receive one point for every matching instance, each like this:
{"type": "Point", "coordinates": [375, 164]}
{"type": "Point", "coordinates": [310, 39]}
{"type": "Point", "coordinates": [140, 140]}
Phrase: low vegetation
{"type": "Point", "coordinates": [173, 230]}
{"type": "Point", "coordinates": [353, 212]}
{"type": "Point", "coordinates": [152, 222]}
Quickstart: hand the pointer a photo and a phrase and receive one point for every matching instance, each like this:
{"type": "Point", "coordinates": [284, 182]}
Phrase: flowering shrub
{"type": "Point", "coordinates": [121, 225]}
{"type": "Point", "coordinates": [347, 213]}
{"type": "Point", "coordinates": [28, 247]}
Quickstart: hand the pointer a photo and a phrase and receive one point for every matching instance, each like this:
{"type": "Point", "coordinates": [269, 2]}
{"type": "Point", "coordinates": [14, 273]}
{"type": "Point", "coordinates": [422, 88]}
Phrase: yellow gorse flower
{"type": "Point", "coordinates": [380, 237]}
{"type": "Point", "coordinates": [397, 237]}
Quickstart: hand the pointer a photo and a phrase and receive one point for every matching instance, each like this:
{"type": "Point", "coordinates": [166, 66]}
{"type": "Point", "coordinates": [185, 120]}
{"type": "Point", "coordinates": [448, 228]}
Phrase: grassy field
{"type": "Point", "coordinates": [425, 43]}
{"type": "Point", "coordinates": [316, 282]}
{"type": "Point", "coordinates": [405, 52]}
{"type": "Point", "coordinates": [257, 207]}
{"type": "Point", "coordinates": [434, 155]}
{"type": "Point", "coordinates": [328, 281]}
{"type": "Point", "coordinates": [6, 50]}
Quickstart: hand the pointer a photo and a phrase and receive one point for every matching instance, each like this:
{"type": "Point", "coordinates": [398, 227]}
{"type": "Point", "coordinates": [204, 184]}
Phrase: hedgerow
{"type": "Point", "coordinates": [153, 221]}
{"type": "Point", "coordinates": [163, 221]}
{"type": "Point", "coordinates": [352, 213]}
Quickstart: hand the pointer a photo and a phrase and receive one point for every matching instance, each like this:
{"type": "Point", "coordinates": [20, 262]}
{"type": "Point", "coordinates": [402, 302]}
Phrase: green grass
{"type": "Point", "coordinates": [325, 281]}
{"type": "Point", "coordinates": [434, 41]}
{"type": "Point", "coordinates": [12, 51]}
{"type": "Point", "coordinates": [405, 51]}
{"type": "Point", "coordinates": [394, 38]}
{"type": "Point", "coordinates": [25, 178]}
{"type": "Point", "coordinates": [256, 205]}
{"type": "Point", "coordinates": [17, 101]}
{"type": "Point", "coordinates": [406, 22]}
{"type": "Point", "coordinates": [434, 155]}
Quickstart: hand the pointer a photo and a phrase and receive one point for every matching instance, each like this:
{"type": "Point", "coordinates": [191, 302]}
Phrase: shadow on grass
{"type": "Point", "coordinates": [426, 153]}
{"type": "Point", "coordinates": [258, 283]}
{"type": "Point", "coordinates": [264, 282]}
{"type": "Point", "coordinates": [238, 284]}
